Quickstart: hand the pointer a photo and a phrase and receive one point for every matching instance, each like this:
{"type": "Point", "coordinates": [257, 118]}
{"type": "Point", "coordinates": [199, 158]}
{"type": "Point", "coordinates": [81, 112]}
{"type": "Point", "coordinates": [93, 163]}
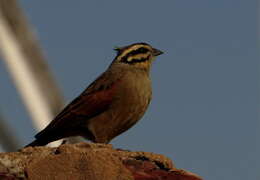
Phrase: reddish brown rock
{"type": "Point", "coordinates": [88, 161]}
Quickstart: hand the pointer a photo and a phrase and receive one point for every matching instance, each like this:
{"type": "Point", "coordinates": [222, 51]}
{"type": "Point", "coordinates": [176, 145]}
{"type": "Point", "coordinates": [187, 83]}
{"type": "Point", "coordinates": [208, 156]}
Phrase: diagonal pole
{"type": "Point", "coordinates": [26, 65]}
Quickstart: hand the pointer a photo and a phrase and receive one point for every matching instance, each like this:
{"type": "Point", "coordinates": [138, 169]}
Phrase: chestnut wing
{"type": "Point", "coordinates": [96, 99]}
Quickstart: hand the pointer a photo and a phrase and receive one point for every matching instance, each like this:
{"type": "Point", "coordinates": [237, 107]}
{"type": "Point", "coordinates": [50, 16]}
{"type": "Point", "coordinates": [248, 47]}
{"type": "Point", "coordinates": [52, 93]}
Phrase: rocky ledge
{"type": "Point", "coordinates": [88, 161]}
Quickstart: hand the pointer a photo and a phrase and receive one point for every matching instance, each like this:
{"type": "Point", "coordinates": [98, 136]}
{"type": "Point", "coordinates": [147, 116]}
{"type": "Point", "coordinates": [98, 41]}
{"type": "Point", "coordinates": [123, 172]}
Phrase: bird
{"type": "Point", "coordinates": [111, 104]}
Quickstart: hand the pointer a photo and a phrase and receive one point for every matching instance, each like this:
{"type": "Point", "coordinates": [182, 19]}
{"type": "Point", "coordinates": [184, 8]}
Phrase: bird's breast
{"type": "Point", "coordinates": [135, 91]}
{"type": "Point", "coordinates": [129, 104]}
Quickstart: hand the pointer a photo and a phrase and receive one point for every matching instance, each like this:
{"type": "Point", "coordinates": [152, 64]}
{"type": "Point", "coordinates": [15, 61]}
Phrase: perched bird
{"type": "Point", "coordinates": [111, 104]}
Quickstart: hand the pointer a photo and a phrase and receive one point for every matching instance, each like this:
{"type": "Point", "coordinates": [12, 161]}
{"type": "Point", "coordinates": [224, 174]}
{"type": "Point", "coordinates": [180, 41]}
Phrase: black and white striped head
{"type": "Point", "coordinates": [138, 55]}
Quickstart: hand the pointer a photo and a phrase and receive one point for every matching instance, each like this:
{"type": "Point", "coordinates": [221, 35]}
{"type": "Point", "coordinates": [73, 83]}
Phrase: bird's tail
{"type": "Point", "coordinates": [36, 142]}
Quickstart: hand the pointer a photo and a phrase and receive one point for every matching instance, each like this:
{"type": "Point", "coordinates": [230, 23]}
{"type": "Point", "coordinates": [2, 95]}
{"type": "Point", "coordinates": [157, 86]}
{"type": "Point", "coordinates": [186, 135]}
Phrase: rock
{"type": "Point", "coordinates": [88, 161]}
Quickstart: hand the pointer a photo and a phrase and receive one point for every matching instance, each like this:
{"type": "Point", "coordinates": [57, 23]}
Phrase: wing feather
{"type": "Point", "coordinates": [96, 99]}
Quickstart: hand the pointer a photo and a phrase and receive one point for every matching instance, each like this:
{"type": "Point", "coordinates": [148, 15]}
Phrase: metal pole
{"type": "Point", "coordinates": [27, 66]}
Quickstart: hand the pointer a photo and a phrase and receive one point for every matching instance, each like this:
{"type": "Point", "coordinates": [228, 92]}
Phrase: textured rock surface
{"type": "Point", "coordinates": [88, 161]}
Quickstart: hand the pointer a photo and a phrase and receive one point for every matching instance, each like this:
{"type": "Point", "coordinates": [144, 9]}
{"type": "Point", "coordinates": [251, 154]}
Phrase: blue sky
{"type": "Point", "coordinates": [205, 94]}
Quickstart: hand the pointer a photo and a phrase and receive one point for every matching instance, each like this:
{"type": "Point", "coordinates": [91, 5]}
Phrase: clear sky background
{"type": "Point", "coordinates": [204, 110]}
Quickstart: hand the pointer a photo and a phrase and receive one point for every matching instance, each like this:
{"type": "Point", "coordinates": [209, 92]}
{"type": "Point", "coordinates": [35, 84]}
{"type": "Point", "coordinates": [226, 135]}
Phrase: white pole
{"type": "Point", "coordinates": [24, 78]}
{"type": "Point", "coordinates": [26, 64]}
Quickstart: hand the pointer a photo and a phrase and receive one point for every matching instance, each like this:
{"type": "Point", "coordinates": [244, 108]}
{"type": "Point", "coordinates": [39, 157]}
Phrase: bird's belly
{"type": "Point", "coordinates": [124, 112]}
{"type": "Point", "coordinates": [129, 110]}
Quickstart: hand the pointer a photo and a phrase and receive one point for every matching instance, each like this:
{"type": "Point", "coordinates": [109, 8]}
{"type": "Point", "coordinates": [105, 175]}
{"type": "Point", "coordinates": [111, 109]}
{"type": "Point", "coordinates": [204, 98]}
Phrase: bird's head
{"type": "Point", "coordinates": [139, 55]}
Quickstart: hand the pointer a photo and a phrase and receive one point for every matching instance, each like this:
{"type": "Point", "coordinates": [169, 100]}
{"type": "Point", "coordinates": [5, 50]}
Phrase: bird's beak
{"type": "Point", "coordinates": [157, 52]}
